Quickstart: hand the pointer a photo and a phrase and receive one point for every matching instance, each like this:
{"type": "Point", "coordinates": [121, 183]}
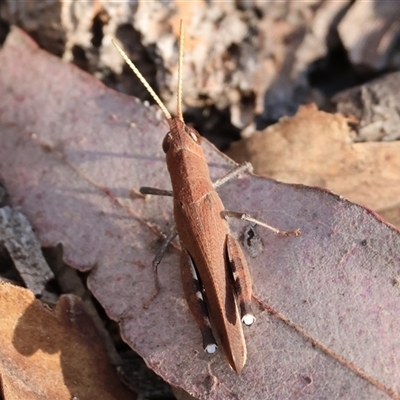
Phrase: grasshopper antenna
{"type": "Point", "coordinates": [180, 67]}
{"type": "Point", "coordinates": [143, 80]}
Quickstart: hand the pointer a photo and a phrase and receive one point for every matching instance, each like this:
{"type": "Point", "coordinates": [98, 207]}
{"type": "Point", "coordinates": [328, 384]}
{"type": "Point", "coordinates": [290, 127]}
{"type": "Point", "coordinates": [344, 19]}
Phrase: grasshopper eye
{"type": "Point", "coordinates": [193, 134]}
{"type": "Point", "coordinates": [166, 142]}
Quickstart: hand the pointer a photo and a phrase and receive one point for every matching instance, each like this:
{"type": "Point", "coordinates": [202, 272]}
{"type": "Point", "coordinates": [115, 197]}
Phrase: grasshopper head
{"type": "Point", "coordinates": [181, 137]}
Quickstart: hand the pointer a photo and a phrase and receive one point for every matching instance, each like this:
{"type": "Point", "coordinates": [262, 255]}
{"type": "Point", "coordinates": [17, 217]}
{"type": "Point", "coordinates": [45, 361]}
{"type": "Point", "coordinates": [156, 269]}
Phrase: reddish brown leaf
{"type": "Point", "coordinates": [327, 324]}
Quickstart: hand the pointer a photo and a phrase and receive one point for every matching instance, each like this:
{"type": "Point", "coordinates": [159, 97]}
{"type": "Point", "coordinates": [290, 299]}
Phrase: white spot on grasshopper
{"type": "Point", "coordinates": [211, 348]}
{"type": "Point", "coordinates": [248, 319]}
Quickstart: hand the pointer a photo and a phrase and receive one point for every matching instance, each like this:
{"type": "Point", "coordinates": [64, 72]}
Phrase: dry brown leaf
{"type": "Point", "coordinates": [51, 355]}
{"type": "Point", "coordinates": [316, 148]}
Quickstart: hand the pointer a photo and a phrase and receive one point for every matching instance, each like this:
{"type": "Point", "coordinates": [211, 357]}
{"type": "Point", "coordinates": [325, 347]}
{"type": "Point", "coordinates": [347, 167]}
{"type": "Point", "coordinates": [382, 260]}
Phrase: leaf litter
{"type": "Point", "coordinates": [70, 155]}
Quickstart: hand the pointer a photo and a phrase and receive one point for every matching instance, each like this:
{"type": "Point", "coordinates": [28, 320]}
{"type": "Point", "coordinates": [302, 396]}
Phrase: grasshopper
{"type": "Point", "coordinates": [215, 276]}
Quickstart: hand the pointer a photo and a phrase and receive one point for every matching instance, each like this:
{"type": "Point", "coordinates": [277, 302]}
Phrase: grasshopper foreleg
{"type": "Point", "coordinates": [246, 166]}
{"type": "Point", "coordinates": [155, 191]}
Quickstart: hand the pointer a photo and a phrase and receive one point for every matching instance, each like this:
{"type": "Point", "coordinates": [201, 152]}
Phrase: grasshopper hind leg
{"type": "Point", "coordinates": [241, 279]}
{"type": "Point", "coordinates": [195, 298]}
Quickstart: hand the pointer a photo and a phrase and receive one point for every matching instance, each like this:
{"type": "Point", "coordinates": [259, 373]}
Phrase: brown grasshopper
{"type": "Point", "coordinates": [215, 275]}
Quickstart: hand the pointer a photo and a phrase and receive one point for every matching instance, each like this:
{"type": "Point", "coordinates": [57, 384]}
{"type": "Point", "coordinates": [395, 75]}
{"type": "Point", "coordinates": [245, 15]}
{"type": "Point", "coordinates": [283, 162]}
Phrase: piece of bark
{"type": "Point", "coordinates": [369, 31]}
{"type": "Point", "coordinates": [376, 107]}
{"type": "Point", "coordinates": [291, 87]}
{"type": "Point", "coordinates": [316, 148]}
{"type": "Point", "coordinates": [17, 237]}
